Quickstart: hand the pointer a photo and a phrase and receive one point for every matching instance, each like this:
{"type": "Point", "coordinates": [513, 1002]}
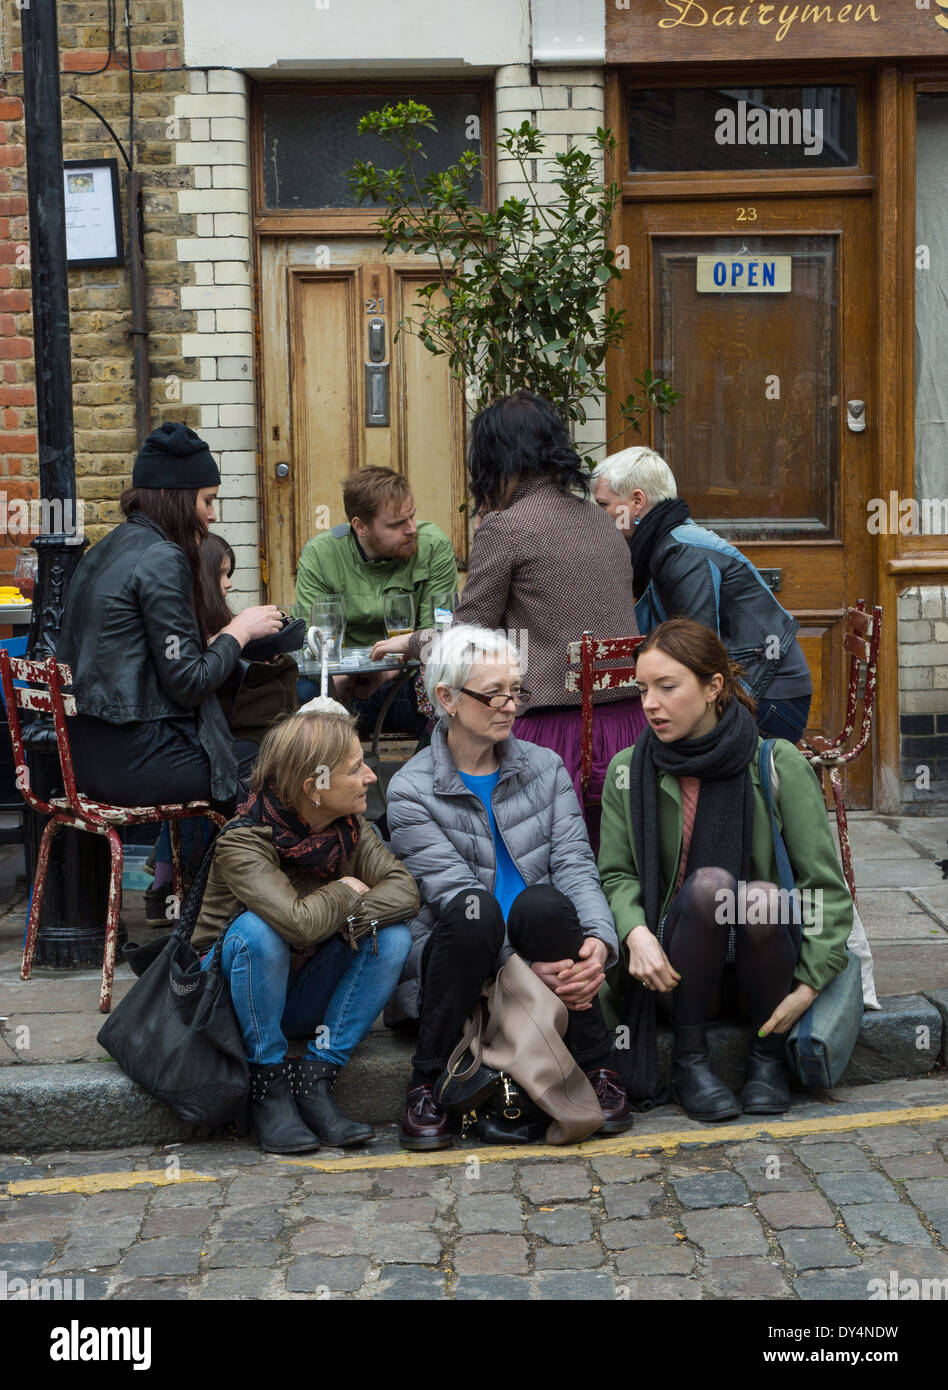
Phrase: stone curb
{"type": "Point", "coordinates": [93, 1105]}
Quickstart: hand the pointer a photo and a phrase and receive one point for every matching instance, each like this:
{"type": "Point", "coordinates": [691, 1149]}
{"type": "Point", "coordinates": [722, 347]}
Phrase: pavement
{"type": "Point", "coordinates": [846, 1202]}
{"type": "Point", "coordinates": [59, 1090]}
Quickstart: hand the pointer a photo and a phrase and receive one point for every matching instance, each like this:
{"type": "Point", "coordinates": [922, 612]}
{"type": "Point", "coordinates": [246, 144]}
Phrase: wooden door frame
{"type": "Point", "coordinates": [886, 171]}
{"type": "Point", "coordinates": [324, 223]}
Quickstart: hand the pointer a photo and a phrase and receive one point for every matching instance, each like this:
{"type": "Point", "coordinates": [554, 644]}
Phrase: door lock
{"type": "Point", "coordinates": [856, 416]}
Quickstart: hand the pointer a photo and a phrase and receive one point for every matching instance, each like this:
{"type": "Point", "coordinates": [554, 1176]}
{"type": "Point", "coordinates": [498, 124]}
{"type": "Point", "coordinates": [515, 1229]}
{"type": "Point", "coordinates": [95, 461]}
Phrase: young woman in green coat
{"type": "Point", "coordinates": [688, 867]}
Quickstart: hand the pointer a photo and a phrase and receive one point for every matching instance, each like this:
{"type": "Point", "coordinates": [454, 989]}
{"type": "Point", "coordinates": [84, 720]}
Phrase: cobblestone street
{"type": "Point", "coordinates": [817, 1210]}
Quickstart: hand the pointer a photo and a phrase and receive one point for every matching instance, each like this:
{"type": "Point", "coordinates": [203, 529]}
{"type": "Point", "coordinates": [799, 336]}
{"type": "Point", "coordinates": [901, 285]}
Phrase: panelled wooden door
{"type": "Point", "coordinates": [340, 393]}
{"type": "Point", "coordinates": [766, 362]}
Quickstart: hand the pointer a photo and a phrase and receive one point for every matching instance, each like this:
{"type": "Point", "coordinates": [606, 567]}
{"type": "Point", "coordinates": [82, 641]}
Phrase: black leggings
{"type": "Point", "coordinates": [148, 763]}
{"type": "Point", "coordinates": [463, 953]}
{"type": "Point", "coordinates": [695, 940]}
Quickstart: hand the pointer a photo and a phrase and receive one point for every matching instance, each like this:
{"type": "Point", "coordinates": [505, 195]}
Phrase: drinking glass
{"type": "Point", "coordinates": [398, 611]}
{"type": "Point", "coordinates": [24, 572]}
{"type": "Point", "coordinates": [443, 606]}
{"type": "Point", "coordinates": [328, 615]}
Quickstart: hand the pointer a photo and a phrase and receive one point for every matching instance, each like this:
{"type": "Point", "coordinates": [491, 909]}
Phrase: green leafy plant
{"type": "Point", "coordinates": [517, 299]}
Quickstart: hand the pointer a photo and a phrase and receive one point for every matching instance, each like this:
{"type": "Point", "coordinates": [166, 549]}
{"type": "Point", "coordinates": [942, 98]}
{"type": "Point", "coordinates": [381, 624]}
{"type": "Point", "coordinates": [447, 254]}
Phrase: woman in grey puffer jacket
{"type": "Point", "coordinates": [491, 831]}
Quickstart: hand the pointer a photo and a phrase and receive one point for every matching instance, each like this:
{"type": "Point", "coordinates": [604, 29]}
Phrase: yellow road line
{"type": "Point", "coordinates": [625, 1145]}
{"type": "Point", "coordinates": [106, 1182]}
{"type": "Point", "coordinates": [622, 1146]}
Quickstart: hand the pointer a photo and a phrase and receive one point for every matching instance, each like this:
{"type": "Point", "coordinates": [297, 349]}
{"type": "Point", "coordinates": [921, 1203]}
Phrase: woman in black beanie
{"type": "Point", "coordinates": [147, 729]}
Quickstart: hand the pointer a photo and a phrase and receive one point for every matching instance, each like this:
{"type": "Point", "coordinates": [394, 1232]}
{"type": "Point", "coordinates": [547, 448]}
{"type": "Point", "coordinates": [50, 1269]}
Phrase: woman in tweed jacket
{"type": "Point", "coordinates": [546, 566]}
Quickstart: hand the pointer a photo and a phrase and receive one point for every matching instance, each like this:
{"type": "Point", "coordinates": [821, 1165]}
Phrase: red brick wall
{"type": "Point", "coordinates": [103, 384]}
{"type": "Point", "coordinates": [18, 464]}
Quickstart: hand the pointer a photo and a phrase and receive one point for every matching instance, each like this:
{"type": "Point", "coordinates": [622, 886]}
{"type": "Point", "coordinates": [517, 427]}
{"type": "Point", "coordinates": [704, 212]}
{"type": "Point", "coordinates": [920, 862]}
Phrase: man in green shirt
{"type": "Point", "coordinates": [381, 550]}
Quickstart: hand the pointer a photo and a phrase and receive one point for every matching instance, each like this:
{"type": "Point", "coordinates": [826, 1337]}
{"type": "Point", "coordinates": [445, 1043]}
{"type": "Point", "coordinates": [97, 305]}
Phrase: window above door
{"type": "Point", "coordinates": [306, 140]}
{"type": "Point", "coordinates": [706, 129]}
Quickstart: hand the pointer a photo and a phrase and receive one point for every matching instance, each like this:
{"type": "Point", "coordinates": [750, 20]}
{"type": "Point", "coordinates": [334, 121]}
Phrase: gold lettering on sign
{"type": "Point", "coordinates": [692, 14]}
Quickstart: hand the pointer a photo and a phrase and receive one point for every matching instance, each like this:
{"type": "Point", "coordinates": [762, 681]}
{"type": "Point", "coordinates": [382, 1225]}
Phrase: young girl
{"type": "Point", "coordinates": [689, 869]}
{"type": "Point", "coordinates": [253, 697]}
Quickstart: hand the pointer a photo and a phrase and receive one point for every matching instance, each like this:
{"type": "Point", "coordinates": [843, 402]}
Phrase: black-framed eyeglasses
{"type": "Point", "coordinates": [498, 701]}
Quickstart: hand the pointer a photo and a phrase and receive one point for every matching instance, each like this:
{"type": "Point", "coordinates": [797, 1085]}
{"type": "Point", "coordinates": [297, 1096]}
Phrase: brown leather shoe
{"type": "Point", "coordinates": [424, 1125]}
{"type": "Point", "coordinates": [613, 1101]}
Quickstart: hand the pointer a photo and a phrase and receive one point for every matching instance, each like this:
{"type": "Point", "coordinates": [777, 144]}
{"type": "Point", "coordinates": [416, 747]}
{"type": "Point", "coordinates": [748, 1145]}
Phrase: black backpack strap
{"type": "Point", "coordinates": [194, 897]}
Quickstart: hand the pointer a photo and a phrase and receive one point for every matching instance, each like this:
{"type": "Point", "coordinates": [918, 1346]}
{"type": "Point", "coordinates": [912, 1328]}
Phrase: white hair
{"type": "Point", "coordinates": [459, 648]}
{"type": "Point", "coordinates": [638, 467]}
{"type": "Point", "coordinates": [324, 704]}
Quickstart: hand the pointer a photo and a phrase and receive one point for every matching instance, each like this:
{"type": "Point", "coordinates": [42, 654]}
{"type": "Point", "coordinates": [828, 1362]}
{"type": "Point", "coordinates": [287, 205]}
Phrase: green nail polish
{"type": "Point", "coordinates": [760, 1032]}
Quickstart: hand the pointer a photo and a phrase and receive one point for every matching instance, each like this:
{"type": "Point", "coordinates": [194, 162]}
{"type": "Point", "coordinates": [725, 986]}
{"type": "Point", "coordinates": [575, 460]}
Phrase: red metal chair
{"type": "Point", "coordinates": [75, 810]}
{"type": "Point", "coordinates": [861, 641]}
{"type": "Point", "coordinates": [589, 652]}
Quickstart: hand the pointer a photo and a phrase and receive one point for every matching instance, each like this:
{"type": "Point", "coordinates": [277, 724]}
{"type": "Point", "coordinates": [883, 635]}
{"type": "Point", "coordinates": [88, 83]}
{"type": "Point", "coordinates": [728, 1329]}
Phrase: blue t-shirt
{"type": "Point", "coordinates": [508, 882]}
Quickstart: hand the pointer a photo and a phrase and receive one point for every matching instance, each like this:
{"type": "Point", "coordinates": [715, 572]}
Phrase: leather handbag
{"type": "Point", "coordinates": [821, 1042]}
{"type": "Point", "coordinates": [175, 1033]}
{"type": "Point", "coordinates": [522, 1036]}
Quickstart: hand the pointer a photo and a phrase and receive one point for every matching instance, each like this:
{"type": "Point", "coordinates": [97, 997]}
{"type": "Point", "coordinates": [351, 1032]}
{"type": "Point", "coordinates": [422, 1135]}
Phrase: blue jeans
{"type": "Point", "coordinates": [783, 718]}
{"type": "Point", "coordinates": [337, 995]}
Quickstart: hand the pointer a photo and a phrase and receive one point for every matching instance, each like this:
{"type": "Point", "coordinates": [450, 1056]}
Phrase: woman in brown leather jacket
{"type": "Point", "coordinates": [314, 909]}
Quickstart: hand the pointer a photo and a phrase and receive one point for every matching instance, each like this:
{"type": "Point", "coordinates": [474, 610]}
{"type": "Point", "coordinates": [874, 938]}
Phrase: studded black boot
{"type": "Point", "coordinates": [313, 1082]}
{"type": "Point", "coordinates": [273, 1113]}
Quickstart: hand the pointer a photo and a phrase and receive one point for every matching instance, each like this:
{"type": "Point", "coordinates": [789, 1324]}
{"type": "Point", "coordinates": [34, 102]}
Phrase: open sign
{"type": "Point", "coordinates": [744, 274]}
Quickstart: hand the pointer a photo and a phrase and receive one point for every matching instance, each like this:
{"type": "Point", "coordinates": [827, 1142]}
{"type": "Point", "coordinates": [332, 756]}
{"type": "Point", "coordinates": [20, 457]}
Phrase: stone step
{"type": "Point", "coordinates": [93, 1105]}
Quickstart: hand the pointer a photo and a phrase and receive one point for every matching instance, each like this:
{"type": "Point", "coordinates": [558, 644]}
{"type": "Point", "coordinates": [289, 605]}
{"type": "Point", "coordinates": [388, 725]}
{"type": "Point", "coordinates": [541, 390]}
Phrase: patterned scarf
{"type": "Point", "coordinates": [322, 852]}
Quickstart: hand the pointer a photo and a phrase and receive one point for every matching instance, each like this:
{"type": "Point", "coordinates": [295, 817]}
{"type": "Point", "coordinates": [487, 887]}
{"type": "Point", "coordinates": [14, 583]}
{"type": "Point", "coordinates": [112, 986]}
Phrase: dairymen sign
{"type": "Point", "coordinates": [647, 31]}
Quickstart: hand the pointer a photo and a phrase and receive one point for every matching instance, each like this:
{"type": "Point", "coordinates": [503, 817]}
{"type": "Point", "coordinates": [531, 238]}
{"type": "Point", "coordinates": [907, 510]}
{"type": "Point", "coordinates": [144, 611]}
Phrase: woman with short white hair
{"type": "Point", "coordinates": [682, 570]}
{"type": "Point", "coordinates": [491, 831]}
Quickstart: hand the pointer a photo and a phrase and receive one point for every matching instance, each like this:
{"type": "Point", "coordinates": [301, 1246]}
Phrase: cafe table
{"type": "Point", "coordinates": [356, 661]}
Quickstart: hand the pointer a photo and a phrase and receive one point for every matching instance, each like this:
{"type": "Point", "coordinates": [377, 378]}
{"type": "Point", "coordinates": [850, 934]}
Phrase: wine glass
{"type": "Point", "coordinates": [443, 606]}
{"type": "Point", "coordinates": [398, 611]}
{"type": "Point", "coordinates": [328, 615]}
{"type": "Point", "coordinates": [24, 572]}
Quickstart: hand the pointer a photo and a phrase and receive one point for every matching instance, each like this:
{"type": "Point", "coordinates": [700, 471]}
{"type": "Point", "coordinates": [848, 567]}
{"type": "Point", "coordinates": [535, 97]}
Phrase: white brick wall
{"type": "Point", "coordinates": [567, 104]}
{"type": "Point", "coordinates": [217, 150]}
{"type": "Point", "coordinates": [923, 698]}
{"type": "Point", "coordinates": [923, 650]}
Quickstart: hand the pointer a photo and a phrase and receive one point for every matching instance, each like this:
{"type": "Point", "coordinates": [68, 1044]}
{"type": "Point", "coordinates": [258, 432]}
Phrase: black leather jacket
{"type": "Point", "coordinates": [131, 637]}
{"type": "Point", "coordinates": [707, 579]}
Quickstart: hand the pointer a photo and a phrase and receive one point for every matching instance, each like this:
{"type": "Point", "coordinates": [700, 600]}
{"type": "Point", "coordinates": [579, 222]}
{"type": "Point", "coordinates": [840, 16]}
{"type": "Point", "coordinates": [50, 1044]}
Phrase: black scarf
{"type": "Point", "coordinates": [322, 852]}
{"type": "Point", "coordinates": [724, 820]}
{"type": "Point", "coordinates": [656, 522]}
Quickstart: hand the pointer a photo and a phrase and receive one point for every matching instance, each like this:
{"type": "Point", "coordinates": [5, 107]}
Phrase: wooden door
{"type": "Point", "coordinates": [340, 393]}
{"type": "Point", "coordinates": [760, 312]}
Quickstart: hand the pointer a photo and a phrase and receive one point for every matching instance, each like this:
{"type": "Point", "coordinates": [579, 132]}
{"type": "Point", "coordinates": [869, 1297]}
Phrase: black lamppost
{"type": "Point", "coordinates": [72, 923]}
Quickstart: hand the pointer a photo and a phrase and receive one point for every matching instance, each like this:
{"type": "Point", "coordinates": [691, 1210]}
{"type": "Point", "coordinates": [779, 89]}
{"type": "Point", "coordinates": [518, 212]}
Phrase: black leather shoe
{"type": "Point", "coordinates": [424, 1125]}
{"type": "Point", "coordinates": [766, 1089]}
{"type": "Point", "coordinates": [613, 1101]}
{"type": "Point", "coordinates": [273, 1113]}
{"type": "Point", "coordinates": [700, 1092]}
{"type": "Point", "coordinates": [312, 1085]}
{"type": "Point", "coordinates": [456, 1097]}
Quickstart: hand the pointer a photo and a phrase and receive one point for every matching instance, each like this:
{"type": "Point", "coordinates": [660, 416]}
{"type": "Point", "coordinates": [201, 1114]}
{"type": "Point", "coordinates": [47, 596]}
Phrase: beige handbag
{"type": "Point", "coordinates": [523, 1037]}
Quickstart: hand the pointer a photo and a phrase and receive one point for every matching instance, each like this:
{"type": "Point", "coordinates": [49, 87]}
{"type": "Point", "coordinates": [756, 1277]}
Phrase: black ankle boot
{"type": "Point", "coordinates": [702, 1094]}
{"type": "Point", "coordinates": [313, 1083]}
{"type": "Point", "coordinates": [273, 1113]}
{"type": "Point", "coordinates": [766, 1089]}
